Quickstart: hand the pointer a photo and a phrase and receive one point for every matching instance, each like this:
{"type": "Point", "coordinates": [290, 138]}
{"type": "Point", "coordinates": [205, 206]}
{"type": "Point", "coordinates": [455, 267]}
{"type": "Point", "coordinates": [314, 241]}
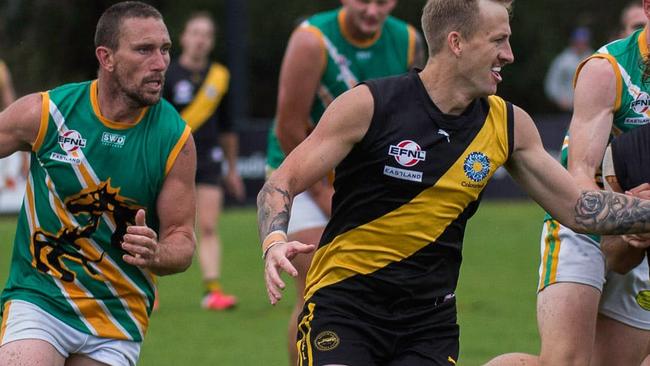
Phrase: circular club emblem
{"type": "Point", "coordinates": [643, 299]}
{"type": "Point", "coordinates": [327, 341]}
{"type": "Point", "coordinates": [408, 153]}
{"type": "Point", "coordinates": [641, 103]}
{"type": "Point", "coordinates": [477, 166]}
{"type": "Point", "coordinates": [71, 141]}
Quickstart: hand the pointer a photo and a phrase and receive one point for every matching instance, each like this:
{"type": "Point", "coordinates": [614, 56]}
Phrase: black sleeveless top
{"type": "Point", "coordinates": [404, 194]}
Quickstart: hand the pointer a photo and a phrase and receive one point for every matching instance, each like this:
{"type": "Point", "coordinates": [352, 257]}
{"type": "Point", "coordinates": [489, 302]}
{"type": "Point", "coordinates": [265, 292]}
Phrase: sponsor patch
{"type": "Point", "coordinates": [477, 167]}
{"type": "Point", "coordinates": [113, 139]}
{"type": "Point", "coordinates": [327, 341]}
{"type": "Point", "coordinates": [407, 153]}
{"type": "Point", "coordinates": [404, 174]}
{"type": "Point", "coordinates": [641, 103]}
{"type": "Point", "coordinates": [65, 158]}
{"type": "Point", "coordinates": [637, 121]}
{"type": "Point", "coordinates": [71, 140]}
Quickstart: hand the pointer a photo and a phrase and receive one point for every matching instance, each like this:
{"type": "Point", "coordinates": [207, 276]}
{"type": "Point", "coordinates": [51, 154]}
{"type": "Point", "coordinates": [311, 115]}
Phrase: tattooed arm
{"type": "Point", "coordinates": [548, 183]}
{"type": "Point", "coordinates": [605, 212]}
{"type": "Point", "coordinates": [344, 123]}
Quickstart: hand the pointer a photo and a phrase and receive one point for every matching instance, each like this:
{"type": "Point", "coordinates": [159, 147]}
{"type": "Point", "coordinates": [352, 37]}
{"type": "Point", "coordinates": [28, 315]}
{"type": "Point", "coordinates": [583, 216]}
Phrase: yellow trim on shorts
{"type": "Point", "coordinates": [5, 316]}
{"type": "Point", "coordinates": [551, 234]}
{"type": "Point", "coordinates": [306, 338]}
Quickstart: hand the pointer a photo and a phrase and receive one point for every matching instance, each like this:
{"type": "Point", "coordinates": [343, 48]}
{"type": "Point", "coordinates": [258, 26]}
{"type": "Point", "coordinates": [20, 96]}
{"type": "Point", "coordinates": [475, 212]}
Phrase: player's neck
{"type": "Point", "coordinates": [353, 33]}
{"type": "Point", "coordinates": [193, 63]}
{"type": "Point", "coordinates": [115, 106]}
{"type": "Point", "coordinates": [444, 89]}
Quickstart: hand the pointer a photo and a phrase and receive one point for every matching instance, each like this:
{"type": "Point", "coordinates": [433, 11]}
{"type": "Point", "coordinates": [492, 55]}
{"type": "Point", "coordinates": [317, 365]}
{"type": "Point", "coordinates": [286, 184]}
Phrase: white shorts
{"type": "Point", "coordinates": [305, 214]}
{"type": "Point", "coordinates": [23, 320]}
{"type": "Point", "coordinates": [626, 298]}
{"type": "Point", "coordinates": [571, 257]}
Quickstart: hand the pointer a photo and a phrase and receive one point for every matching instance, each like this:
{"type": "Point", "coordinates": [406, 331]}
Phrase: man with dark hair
{"type": "Point", "coordinates": [380, 289]}
{"type": "Point", "coordinates": [198, 89]}
{"type": "Point", "coordinates": [109, 202]}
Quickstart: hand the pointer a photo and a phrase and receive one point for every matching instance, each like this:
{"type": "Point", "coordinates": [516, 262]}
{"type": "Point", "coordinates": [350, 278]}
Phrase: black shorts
{"type": "Point", "coordinates": [328, 336]}
{"type": "Point", "coordinates": [208, 166]}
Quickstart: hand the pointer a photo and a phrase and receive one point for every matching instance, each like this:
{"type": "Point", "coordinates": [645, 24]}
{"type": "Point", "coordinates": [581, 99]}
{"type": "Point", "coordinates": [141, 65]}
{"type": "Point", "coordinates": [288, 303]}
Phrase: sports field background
{"type": "Point", "coordinates": [496, 295]}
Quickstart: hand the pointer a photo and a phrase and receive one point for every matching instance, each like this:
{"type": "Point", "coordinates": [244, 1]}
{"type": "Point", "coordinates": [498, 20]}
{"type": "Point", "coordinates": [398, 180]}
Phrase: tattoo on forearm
{"type": "Point", "coordinates": [268, 217]}
{"type": "Point", "coordinates": [604, 212]}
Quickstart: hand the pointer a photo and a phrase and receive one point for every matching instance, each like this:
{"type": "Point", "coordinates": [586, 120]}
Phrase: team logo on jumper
{"type": "Point", "coordinates": [643, 299]}
{"type": "Point", "coordinates": [113, 139]}
{"type": "Point", "coordinates": [477, 166]}
{"type": "Point", "coordinates": [71, 140]}
{"type": "Point", "coordinates": [327, 341]}
{"type": "Point", "coordinates": [407, 153]}
{"type": "Point", "coordinates": [641, 103]}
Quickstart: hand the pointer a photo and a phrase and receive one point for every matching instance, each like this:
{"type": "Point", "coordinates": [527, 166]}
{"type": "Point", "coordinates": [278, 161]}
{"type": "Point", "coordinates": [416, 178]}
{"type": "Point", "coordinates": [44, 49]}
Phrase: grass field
{"type": "Point", "coordinates": [496, 296]}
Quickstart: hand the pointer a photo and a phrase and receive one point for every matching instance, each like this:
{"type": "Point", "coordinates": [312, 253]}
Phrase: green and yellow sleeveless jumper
{"type": "Point", "coordinates": [88, 177]}
{"type": "Point", "coordinates": [631, 110]}
{"type": "Point", "coordinates": [349, 62]}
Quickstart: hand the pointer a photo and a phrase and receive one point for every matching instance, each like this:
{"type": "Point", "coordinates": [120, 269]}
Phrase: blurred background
{"type": "Point", "coordinates": [50, 42]}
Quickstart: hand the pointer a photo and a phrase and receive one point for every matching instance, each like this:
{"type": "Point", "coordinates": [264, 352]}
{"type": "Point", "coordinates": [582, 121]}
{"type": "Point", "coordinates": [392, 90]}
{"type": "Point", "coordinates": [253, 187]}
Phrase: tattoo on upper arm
{"type": "Point", "coordinates": [612, 213]}
{"type": "Point", "coordinates": [269, 218]}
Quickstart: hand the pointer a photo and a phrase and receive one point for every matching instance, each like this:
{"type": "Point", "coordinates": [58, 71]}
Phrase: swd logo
{"type": "Point", "coordinates": [113, 139]}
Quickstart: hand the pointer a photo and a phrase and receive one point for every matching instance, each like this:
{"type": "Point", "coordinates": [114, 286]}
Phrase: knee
{"type": "Point", "coordinates": [207, 228]}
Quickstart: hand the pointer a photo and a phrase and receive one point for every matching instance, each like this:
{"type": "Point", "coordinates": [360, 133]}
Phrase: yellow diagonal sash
{"type": "Point", "coordinates": [208, 97]}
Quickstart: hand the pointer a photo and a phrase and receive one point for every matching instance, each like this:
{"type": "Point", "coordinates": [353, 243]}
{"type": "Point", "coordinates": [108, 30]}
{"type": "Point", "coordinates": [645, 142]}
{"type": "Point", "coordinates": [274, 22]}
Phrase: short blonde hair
{"type": "Point", "coordinates": [439, 17]}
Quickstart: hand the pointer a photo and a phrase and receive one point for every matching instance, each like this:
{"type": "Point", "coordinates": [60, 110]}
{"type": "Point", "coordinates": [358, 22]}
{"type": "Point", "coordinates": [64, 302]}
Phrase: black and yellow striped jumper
{"type": "Point", "coordinates": [380, 289]}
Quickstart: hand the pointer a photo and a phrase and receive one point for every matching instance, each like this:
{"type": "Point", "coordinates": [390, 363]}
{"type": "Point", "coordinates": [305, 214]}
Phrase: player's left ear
{"type": "Point", "coordinates": [454, 40]}
{"type": "Point", "coordinates": [105, 58]}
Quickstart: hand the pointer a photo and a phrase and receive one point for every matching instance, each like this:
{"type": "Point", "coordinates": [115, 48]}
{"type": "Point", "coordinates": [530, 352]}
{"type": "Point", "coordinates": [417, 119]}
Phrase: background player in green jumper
{"type": "Point", "coordinates": [587, 315]}
{"type": "Point", "coordinates": [109, 203]}
{"type": "Point", "coordinates": [198, 89]}
{"type": "Point", "coordinates": [328, 54]}
{"type": "Point", "coordinates": [468, 46]}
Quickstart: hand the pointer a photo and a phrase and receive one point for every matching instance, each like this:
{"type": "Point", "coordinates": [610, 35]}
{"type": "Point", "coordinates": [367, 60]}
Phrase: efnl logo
{"type": "Point", "coordinates": [641, 103]}
{"type": "Point", "coordinates": [113, 139]}
{"type": "Point", "coordinates": [407, 153]}
{"type": "Point", "coordinates": [71, 141]}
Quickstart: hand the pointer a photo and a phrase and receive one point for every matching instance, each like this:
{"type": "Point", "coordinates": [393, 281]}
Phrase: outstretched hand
{"type": "Point", "coordinates": [140, 243]}
{"type": "Point", "coordinates": [278, 259]}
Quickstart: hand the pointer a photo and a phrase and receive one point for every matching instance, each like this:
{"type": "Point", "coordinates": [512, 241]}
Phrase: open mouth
{"type": "Point", "coordinates": [154, 83]}
{"type": "Point", "coordinates": [496, 73]}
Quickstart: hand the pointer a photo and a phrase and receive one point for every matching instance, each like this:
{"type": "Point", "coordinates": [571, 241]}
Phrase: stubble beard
{"type": "Point", "coordinates": [134, 95]}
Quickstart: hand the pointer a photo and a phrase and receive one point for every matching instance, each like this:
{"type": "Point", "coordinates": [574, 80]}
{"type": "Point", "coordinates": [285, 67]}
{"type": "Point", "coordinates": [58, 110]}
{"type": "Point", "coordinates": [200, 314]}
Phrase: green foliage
{"type": "Point", "coordinates": [496, 296]}
{"type": "Point", "coordinates": [48, 42]}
